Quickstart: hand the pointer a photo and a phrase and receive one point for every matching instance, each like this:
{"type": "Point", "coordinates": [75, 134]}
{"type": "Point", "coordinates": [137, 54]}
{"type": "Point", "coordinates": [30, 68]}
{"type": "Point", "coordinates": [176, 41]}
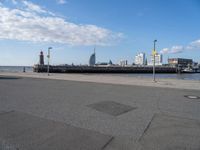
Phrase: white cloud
{"type": "Point", "coordinates": [195, 44]}
{"type": "Point", "coordinates": [179, 49]}
{"type": "Point", "coordinates": [165, 51]}
{"type": "Point", "coordinates": [61, 1]}
{"type": "Point", "coordinates": [172, 50]}
{"type": "Point", "coordinates": [33, 7]}
{"type": "Point", "coordinates": [33, 23]}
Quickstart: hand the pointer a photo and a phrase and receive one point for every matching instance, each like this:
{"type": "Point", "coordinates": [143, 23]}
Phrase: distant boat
{"type": "Point", "coordinates": [188, 70]}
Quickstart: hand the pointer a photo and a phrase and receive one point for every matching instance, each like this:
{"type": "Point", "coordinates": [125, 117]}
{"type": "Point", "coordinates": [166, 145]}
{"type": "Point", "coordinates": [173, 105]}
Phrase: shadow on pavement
{"type": "Point", "coordinates": [8, 78]}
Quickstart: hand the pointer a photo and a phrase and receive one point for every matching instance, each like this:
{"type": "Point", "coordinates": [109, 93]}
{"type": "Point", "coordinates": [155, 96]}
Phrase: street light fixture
{"type": "Point", "coordinates": [154, 53]}
{"type": "Point", "coordinates": [48, 56]}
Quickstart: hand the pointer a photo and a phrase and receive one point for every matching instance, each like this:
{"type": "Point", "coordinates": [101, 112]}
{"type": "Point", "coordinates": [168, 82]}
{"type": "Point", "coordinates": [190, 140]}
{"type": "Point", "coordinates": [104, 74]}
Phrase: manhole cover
{"type": "Point", "coordinates": [192, 97]}
{"type": "Point", "coordinates": [111, 108]}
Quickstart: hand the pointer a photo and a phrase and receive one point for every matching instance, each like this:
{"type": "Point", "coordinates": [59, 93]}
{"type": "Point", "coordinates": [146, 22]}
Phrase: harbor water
{"type": "Point", "coordinates": [16, 68]}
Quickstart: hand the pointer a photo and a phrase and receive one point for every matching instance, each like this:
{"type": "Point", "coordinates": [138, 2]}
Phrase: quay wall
{"type": "Point", "coordinates": [94, 69]}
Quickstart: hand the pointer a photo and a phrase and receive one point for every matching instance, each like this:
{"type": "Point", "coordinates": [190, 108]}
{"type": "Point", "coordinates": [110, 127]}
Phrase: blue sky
{"type": "Point", "coordinates": [118, 28]}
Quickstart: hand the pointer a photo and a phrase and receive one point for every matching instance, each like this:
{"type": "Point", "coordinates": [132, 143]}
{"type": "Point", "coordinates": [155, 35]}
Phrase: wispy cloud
{"type": "Point", "coordinates": [33, 7]}
{"type": "Point", "coordinates": [194, 44]}
{"type": "Point", "coordinates": [61, 1]}
{"type": "Point", "coordinates": [14, 2]}
{"type": "Point", "coordinates": [140, 14]}
{"type": "Point", "coordinates": [33, 23]}
{"type": "Point", "coordinates": [179, 49]}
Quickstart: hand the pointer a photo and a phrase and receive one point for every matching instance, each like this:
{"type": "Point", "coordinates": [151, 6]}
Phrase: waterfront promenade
{"type": "Point", "coordinates": [97, 112]}
{"type": "Point", "coordinates": [113, 79]}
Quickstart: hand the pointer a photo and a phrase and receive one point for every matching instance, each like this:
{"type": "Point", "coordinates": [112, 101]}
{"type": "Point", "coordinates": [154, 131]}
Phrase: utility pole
{"type": "Point", "coordinates": [154, 53]}
{"type": "Point", "coordinates": [48, 56]}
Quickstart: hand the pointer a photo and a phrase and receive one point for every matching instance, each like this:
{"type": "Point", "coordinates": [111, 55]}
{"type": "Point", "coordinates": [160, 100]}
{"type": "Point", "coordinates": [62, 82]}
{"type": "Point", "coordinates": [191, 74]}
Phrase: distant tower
{"type": "Point", "coordinates": [146, 62]}
{"type": "Point", "coordinates": [92, 60]}
{"type": "Point", "coordinates": [41, 58]}
{"type": "Point", "coordinates": [110, 62]}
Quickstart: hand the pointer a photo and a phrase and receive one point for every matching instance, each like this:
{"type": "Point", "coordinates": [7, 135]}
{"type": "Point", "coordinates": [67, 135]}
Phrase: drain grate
{"type": "Point", "coordinates": [111, 108]}
{"type": "Point", "coordinates": [192, 97]}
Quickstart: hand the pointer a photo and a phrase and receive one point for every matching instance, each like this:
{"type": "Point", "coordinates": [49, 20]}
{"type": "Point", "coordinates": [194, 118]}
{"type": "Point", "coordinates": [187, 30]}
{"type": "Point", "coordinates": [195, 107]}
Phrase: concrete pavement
{"type": "Point", "coordinates": [125, 117]}
{"type": "Point", "coordinates": [112, 79]}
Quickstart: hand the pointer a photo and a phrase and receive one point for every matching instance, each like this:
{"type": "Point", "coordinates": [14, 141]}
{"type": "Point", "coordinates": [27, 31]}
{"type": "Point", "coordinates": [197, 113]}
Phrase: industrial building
{"type": "Point", "coordinates": [181, 62]}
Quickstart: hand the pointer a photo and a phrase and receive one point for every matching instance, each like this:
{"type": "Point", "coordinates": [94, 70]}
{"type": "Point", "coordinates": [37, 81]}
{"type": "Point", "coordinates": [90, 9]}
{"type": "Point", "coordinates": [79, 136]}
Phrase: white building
{"type": "Point", "coordinates": [140, 59]}
{"type": "Point", "coordinates": [123, 63]}
{"type": "Point", "coordinates": [158, 60]}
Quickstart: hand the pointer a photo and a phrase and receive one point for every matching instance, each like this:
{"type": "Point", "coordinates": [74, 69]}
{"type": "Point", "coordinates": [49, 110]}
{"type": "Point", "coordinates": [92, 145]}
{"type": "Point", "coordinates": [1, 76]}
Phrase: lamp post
{"type": "Point", "coordinates": [48, 56]}
{"type": "Point", "coordinates": [154, 53]}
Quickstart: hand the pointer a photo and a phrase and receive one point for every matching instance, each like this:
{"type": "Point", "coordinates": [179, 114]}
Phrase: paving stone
{"type": "Point", "coordinates": [171, 133]}
{"type": "Point", "coordinates": [26, 132]}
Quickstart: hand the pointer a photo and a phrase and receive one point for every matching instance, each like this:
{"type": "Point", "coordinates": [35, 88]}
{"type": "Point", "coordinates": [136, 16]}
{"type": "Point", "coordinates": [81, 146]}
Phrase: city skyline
{"type": "Point", "coordinates": [118, 30]}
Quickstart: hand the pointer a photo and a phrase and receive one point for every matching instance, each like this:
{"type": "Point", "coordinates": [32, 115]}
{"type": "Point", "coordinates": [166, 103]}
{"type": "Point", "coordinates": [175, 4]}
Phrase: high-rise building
{"type": "Point", "coordinates": [158, 60]}
{"type": "Point", "coordinates": [41, 57]}
{"type": "Point", "coordinates": [140, 59]}
{"type": "Point", "coordinates": [92, 60]}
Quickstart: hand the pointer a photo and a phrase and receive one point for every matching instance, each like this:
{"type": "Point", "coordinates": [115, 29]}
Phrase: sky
{"type": "Point", "coordinates": [119, 29]}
